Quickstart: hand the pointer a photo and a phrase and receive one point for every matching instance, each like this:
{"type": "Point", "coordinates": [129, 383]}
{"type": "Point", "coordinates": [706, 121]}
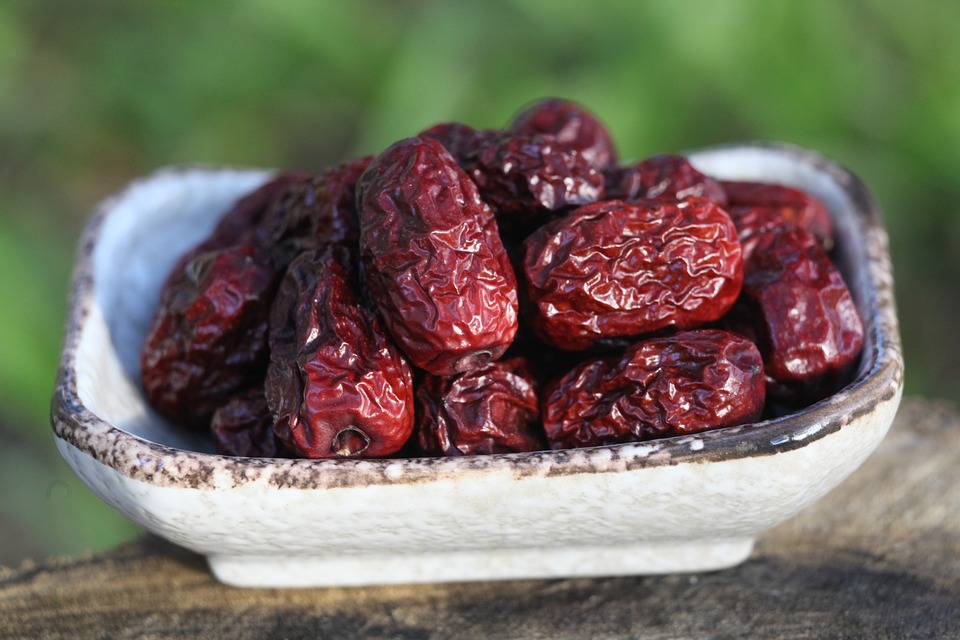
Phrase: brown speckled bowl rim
{"type": "Point", "coordinates": [880, 380]}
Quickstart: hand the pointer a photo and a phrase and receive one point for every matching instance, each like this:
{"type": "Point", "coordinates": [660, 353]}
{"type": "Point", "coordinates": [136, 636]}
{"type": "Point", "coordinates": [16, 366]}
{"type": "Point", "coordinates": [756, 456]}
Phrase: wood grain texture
{"type": "Point", "coordinates": [877, 558]}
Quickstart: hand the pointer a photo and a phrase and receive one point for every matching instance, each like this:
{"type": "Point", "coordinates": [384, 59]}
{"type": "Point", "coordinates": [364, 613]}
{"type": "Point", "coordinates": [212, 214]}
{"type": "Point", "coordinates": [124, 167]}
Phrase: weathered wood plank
{"type": "Point", "coordinates": [877, 558]}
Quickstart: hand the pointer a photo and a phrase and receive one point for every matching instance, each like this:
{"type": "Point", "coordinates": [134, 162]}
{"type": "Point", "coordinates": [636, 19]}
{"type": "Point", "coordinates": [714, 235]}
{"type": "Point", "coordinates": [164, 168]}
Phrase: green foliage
{"type": "Point", "coordinates": [95, 93]}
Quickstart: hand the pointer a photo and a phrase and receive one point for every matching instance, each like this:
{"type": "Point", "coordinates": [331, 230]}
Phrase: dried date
{"type": "Point", "coordinates": [436, 266]}
{"type": "Point", "coordinates": [238, 225]}
{"type": "Point", "coordinates": [791, 205]}
{"type": "Point", "coordinates": [208, 336]}
{"type": "Point", "coordinates": [615, 269]}
{"type": "Point", "coordinates": [336, 385]}
{"type": "Point", "coordinates": [244, 427]}
{"type": "Point", "coordinates": [525, 178]}
{"type": "Point", "coordinates": [242, 219]}
{"type": "Point", "coordinates": [685, 383]}
{"type": "Point", "coordinates": [572, 125]}
{"type": "Point", "coordinates": [317, 209]}
{"type": "Point", "coordinates": [665, 176]}
{"type": "Point", "coordinates": [755, 224]}
{"type": "Point", "coordinates": [490, 409]}
{"type": "Point", "coordinates": [803, 316]}
{"type": "Point", "coordinates": [462, 141]}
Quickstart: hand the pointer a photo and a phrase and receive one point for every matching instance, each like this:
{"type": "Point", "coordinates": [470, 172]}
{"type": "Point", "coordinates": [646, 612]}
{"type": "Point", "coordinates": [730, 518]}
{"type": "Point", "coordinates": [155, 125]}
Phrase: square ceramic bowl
{"type": "Point", "coordinates": [681, 504]}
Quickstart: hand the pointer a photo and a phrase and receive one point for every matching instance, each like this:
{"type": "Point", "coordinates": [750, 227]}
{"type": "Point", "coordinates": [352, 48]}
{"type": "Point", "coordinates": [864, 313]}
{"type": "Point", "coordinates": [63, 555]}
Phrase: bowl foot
{"type": "Point", "coordinates": [462, 566]}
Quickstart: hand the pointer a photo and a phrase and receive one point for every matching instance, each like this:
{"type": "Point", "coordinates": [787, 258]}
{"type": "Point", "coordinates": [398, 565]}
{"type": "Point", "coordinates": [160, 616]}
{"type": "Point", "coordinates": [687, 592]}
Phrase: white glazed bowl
{"type": "Point", "coordinates": [689, 503]}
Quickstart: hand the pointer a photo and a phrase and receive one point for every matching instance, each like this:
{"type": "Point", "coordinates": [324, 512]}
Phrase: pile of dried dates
{"type": "Point", "coordinates": [488, 291]}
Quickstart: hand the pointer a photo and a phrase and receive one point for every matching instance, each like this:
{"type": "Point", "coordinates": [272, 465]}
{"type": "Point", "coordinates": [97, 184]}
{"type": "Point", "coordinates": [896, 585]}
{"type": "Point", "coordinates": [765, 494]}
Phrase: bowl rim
{"type": "Point", "coordinates": [163, 465]}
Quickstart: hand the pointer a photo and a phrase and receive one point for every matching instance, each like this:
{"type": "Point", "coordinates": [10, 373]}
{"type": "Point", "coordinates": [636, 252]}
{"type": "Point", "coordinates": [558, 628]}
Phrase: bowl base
{"type": "Point", "coordinates": [465, 566]}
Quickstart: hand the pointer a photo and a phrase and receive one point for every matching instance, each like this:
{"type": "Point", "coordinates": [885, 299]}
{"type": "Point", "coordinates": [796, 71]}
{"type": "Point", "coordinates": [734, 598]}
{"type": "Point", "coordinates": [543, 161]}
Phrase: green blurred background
{"type": "Point", "coordinates": [93, 94]}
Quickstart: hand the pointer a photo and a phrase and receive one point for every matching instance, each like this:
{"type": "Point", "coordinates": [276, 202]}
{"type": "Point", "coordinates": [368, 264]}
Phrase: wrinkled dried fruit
{"type": "Point", "coordinates": [572, 125]}
{"type": "Point", "coordinates": [792, 205]}
{"type": "Point", "coordinates": [525, 178]}
{"type": "Point", "coordinates": [316, 210]}
{"type": "Point", "coordinates": [238, 224]}
{"type": "Point", "coordinates": [336, 384]}
{"type": "Point", "coordinates": [294, 328]}
{"type": "Point", "coordinates": [685, 383]}
{"type": "Point", "coordinates": [435, 264]}
{"type": "Point", "coordinates": [666, 176]}
{"type": "Point", "coordinates": [542, 359]}
{"type": "Point", "coordinates": [208, 336]}
{"type": "Point", "coordinates": [462, 141]}
{"type": "Point", "coordinates": [244, 427]}
{"type": "Point", "coordinates": [615, 269]}
{"type": "Point", "coordinates": [490, 409]}
{"type": "Point", "coordinates": [755, 224]}
{"type": "Point", "coordinates": [804, 318]}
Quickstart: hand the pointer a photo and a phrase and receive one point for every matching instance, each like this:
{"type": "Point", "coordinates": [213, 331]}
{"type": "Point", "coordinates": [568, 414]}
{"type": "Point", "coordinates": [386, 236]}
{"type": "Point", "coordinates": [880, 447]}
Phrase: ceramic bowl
{"type": "Point", "coordinates": [681, 504]}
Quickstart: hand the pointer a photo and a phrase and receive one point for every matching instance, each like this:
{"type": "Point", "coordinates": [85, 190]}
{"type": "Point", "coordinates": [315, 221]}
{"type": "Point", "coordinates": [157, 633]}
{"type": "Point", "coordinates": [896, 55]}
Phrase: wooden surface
{"type": "Point", "coordinates": [877, 558]}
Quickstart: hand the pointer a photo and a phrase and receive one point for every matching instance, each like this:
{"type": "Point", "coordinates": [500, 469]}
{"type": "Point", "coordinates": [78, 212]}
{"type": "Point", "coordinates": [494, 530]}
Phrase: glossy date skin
{"type": "Point", "coordinates": [802, 316]}
{"type": "Point", "coordinates": [462, 141]}
{"type": "Point", "coordinates": [336, 385]}
{"type": "Point", "coordinates": [244, 427]}
{"type": "Point", "coordinates": [616, 269]}
{"type": "Point", "coordinates": [681, 384]}
{"type": "Point", "coordinates": [529, 176]}
{"type": "Point", "coordinates": [491, 409]}
{"type": "Point", "coordinates": [550, 158]}
{"type": "Point", "coordinates": [755, 225]}
{"type": "Point", "coordinates": [793, 206]}
{"type": "Point", "coordinates": [665, 177]}
{"type": "Point", "coordinates": [435, 264]}
{"type": "Point", "coordinates": [572, 125]}
{"type": "Point", "coordinates": [208, 336]}
{"type": "Point", "coordinates": [312, 211]}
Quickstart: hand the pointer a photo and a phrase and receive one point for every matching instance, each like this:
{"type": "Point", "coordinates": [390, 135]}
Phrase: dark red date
{"type": "Point", "coordinates": [572, 125]}
{"type": "Point", "coordinates": [238, 225]}
{"type": "Point", "coordinates": [805, 320]}
{"type": "Point", "coordinates": [244, 427]}
{"type": "Point", "coordinates": [436, 266]}
{"type": "Point", "coordinates": [462, 141]}
{"type": "Point", "coordinates": [491, 409]}
{"type": "Point", "coordinates": [666, 176]}
{"type": "Point", "coordinates": [336, 384]}
{"type": "Point", "coordinates": [685, 383]}
{"type": "Point", "coordinates": [792, 205]}
{"type": "Point", "coordinates": [755, 224]}
{"type": "Point", "coordinates": [615, 269]}
{"type": "Point", "coordinates": [241, 221]}
{"type": "Point", "coordinates": [208, 336]}
{"type": "Point", "coordinates": [529, 176]}
{"type": "Point", "coordinates": [315, 210]}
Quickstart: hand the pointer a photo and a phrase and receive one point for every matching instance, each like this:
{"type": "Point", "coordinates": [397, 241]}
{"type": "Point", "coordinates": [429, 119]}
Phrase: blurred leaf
{"type": "Point", "coordinates": [32, 319]}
